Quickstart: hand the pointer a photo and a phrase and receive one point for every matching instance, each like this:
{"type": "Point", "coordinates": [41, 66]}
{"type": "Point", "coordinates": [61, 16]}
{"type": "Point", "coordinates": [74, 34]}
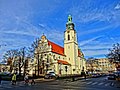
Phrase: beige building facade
{"type": "Point", "coordinates": [102, 65]}
{"type": "Point", "coordinates": [62, 60]}
{"type": "Point", "coordinates": [106, 66]}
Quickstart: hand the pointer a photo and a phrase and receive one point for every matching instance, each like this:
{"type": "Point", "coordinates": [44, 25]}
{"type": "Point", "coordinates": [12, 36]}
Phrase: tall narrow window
{"type": "Point", "coordinates": [68, 37]}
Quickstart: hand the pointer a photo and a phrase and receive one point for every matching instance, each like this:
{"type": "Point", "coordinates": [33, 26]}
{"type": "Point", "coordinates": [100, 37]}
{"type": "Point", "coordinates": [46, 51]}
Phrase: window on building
{"type": "Point", "coordinates": [68, 37]}
{"type": "Point", "coordinates": [68, 47]}
{"type": "Point", "coordinates": [54, 56]}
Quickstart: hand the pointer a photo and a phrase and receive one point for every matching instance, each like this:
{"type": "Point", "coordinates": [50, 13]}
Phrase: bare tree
{"type": "Point", "coordinates": [33, 52]}
{"type": "Point", "coordinates": [9, 57]}
{"type": "Point", "coordinates": [21, 60]}
{"type": "Point", "coordinates": [114, 53]}
{"type": "Point", "coordinates": [16, 59]}
{"type": "Point", "coordinates": [38, 49]}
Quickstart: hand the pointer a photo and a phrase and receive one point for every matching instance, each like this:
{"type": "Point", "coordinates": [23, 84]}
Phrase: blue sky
{"type": "Point", "coordinates": [97, 23]}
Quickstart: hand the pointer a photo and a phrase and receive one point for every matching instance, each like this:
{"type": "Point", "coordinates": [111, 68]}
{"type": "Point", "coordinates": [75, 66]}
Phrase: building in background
{"type": "Point", "coordinates": [61, 60]}
{"type": "Point", "coordinates": [4, 68]}
{"type": "Point", "coordinates": [105, 66]}
{"type": "Point", "coordinates": [102, 65]}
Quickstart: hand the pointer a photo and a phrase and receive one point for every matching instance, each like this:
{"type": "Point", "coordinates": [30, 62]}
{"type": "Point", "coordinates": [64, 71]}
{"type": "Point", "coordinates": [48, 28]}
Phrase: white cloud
{"type": "Point", "coordinates": [117, 7]}
{"type": "Point", "coordinates": [89, 40]}
{"type": "Point", "coordinates": [95, 47]}
{"type": "Point", "coordinates": [99, 29]}
{"type": "Point", "coordinates": [88, 11]}
{"type": "Point", "coordinates": [94, 53]}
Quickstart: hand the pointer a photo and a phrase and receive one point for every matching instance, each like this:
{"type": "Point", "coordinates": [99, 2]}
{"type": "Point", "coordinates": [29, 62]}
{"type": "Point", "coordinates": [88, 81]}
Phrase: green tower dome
{"type": "Point", "coordinates": [69, 24]}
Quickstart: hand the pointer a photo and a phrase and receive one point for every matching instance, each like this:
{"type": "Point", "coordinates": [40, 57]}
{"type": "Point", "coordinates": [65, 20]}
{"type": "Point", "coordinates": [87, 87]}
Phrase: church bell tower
{"type": "Point", "coordinates": [70, 44]}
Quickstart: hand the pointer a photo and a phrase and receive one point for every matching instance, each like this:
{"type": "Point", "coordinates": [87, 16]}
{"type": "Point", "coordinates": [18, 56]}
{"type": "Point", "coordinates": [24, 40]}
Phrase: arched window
{"type": "Point", "coordinates": [68, 37]}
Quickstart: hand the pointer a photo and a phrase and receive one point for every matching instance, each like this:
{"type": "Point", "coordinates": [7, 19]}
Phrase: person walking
{"type": "Point", "coordinates": [14, 79]}
{"type": "Point", "coordinates": [83, 74]}
{"type": "Point", "coordinates": [26, 80]}
{"type": "Point", "coordinates": [32, 81]}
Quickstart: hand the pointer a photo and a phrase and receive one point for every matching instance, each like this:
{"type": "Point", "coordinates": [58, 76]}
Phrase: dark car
{"type": "Point", "coordinates": [95, 75]}
{"type": "Point", "coordinates": [117, 74]}
{"type": "Point", "coordinates": [50, 75]}
{"type": "Point", "coordinates": [111, 77]}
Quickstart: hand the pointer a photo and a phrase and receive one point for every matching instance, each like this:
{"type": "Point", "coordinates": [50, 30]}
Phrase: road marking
{"type": "Point", "coordinates": [107, 84]}
{"type": "Point", "coordinates": [94, 83]}
{"type": "Point", "coordinates": [87, 79]}
{"type": "Point", "coordinates": [81, 83]}
{"type": "Point", "coordinates": [89, 83]}
{"type": "Point", "coordinates": [100, 83]}
{"type": "Point", "coordinates": [112, 84]}
{"type": "Point", "coordinates": [7, 86]}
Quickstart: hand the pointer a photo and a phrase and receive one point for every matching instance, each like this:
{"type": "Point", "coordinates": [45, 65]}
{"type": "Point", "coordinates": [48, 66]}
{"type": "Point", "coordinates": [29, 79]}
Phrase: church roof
{"type": "Point", "coordinates": [56, 48]}
{"type": "Point", "coordinates": [63, 62]}
{"type": "Point", "coordinates": [60, 50]}
{"type": "Point", "coordinates": [80, 54]}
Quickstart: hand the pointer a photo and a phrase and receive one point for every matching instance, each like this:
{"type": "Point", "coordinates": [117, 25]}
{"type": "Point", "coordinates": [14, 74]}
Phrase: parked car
{"type": "Point", "coordinates": [111, 77]}
{"type": "Point", "coordinates": [4, 73]}
{"type": "Point", "coordinates": [117, 75]}
{"type": "Point", "coordinates": [95, 75]}
{"type": "Point", "coordinates": [50, 75]}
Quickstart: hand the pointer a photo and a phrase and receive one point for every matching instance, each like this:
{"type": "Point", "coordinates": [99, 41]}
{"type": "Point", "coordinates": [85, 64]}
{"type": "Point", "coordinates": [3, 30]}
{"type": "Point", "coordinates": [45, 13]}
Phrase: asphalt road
{"type": "Point", "coordinates": [100, 83]}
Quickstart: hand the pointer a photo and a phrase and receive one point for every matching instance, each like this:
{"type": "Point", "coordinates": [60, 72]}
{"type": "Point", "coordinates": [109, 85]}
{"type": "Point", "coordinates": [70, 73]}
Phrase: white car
{"type": "Point", "coordinates": [50, 75]}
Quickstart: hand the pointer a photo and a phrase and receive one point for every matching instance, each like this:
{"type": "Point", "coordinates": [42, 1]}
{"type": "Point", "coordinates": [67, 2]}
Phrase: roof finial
{"type": "Point", "coordinates": [70, 18]}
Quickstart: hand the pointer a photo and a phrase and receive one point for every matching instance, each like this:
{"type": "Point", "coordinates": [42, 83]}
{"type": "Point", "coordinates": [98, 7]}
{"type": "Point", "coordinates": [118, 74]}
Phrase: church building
{"type": "Point", "coordinates": [68, 59]}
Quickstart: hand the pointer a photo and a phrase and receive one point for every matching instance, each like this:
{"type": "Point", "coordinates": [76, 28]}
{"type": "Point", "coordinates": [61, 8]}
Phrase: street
{"type": "Point", "coordinates": [100, 83]}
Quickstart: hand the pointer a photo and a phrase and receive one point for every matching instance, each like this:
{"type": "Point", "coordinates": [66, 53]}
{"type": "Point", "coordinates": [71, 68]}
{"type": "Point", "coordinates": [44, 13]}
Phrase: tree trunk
{"type": "Point", "coordinates": [19, 66]}
{"type": "Point", "coordinates": [38, 65]}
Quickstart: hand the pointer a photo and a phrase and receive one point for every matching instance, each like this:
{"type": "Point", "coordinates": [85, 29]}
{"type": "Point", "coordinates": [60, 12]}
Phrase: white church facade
{"type": "Point", "coordinates": [68, 59]}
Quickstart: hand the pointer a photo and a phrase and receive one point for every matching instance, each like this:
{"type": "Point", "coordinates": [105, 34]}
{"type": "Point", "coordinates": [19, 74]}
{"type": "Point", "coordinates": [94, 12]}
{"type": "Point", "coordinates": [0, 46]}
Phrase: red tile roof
{"type": "Point", "coordinates": [63, 62]}
{"type": "Point", "coordinates": [60, 50]}
{"type": "Point", "coordinates": [80, 54]}
{"type": "Point", "coordinates": [56, 48]}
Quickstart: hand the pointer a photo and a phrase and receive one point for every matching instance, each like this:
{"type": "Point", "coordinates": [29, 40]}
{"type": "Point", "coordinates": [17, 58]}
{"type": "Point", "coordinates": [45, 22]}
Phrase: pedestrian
{"type": "Point", "coordinates": [85, 76]}
{"type": "Point", "coordinates": [32, 81]}
{"type": "Point", "coordinates": [0, 79]}
{"type": "Point", "coordinates": [14, 79]}
{"type": "Point", "coordinates": [26, 80]}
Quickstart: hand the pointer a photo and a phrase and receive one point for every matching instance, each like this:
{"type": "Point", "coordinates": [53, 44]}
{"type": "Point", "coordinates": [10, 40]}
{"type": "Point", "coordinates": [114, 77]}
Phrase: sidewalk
{"type": "Point", "coordinates": [43, 80]}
